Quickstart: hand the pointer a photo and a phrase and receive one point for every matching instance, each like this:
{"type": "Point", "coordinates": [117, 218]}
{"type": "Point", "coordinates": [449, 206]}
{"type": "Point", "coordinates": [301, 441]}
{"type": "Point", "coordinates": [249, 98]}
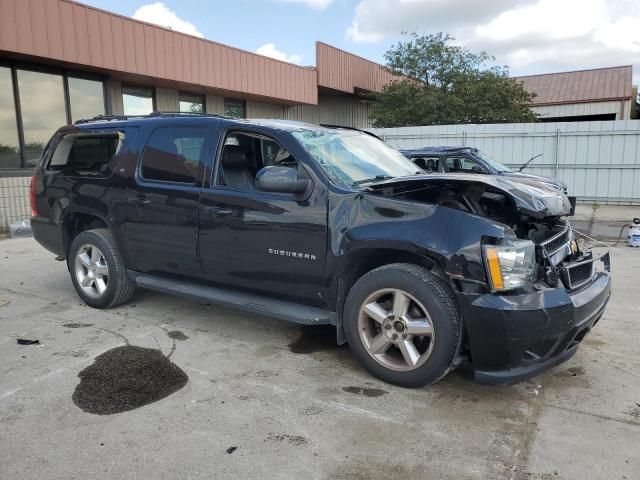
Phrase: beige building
{"type": "Point", "coordinates": [585, 95]}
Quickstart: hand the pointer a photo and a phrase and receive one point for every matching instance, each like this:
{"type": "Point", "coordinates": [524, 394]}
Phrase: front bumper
{"type": "Point", "coordinates": [515, 337]}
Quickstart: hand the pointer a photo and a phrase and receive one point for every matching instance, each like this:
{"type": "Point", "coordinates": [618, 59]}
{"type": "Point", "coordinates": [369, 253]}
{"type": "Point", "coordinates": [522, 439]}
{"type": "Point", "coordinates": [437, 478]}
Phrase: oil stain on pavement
{"type": "Point", "coordinates": [367, 392]}
{"type": "Point", "coordinates": [77, 325]}
{"type": "Point", "coordinates": [126, 378]}
{"type": "Point", "coordinates": [177, 335]}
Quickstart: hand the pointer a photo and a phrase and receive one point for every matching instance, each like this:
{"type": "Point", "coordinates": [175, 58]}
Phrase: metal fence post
{"type": "Point", "coordinates": [557, 153]}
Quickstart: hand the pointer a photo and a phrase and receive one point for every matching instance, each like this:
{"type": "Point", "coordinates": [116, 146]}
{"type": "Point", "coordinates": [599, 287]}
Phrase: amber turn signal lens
{"type": "Point", "coordinates": [494, 268]}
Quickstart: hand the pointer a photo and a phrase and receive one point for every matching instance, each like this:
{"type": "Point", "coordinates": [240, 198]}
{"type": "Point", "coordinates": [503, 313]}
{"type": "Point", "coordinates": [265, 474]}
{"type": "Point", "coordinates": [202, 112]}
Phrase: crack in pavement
{"type": "Point", "coordinates": [593, 414]}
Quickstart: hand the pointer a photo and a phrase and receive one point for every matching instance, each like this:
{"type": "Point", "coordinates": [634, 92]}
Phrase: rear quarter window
{"type": "Point", "coordinates": [83, 154]}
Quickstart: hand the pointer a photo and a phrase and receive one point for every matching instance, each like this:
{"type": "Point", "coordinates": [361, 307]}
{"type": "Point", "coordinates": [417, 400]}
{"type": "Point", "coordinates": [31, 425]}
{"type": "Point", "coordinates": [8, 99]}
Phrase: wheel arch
{"type": "Point", "coordinates": [76, 222]}
{"type": "Point", "coordinates": [363, 260]}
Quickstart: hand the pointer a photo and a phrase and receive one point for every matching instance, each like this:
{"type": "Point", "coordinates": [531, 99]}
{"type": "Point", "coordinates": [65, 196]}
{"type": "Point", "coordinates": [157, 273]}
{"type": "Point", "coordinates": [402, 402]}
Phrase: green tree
{"type": "Point", "coordinates": [442, 83]}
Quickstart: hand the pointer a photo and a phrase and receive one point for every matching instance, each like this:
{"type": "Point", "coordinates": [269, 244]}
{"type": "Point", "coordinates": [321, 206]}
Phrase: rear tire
{"type": "Point", "coordinates": [403, 324]}
{"type": "Point", "coordinates": [97, 270]}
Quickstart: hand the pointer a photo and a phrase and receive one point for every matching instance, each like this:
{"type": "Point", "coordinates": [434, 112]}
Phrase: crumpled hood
{"type": "Point", "coordinates": [530, 196]}
{"type": "Point", "coordinates": [528, 176]}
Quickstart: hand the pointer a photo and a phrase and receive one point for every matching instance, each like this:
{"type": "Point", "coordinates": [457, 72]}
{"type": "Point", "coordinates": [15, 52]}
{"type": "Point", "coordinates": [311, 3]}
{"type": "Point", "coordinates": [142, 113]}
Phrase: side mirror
{"type": "Point", "coordinates": [478, 169]}
{"type": "Point", "coordinates": [280, 180]}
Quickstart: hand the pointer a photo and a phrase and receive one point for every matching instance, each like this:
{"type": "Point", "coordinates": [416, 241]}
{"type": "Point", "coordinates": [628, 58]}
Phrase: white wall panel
{"type": "Point", "coordinates": [599, 161]}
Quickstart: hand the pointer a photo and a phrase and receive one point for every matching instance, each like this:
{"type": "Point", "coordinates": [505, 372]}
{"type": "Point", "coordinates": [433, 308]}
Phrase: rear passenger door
{"type": "Point", "coordinates": [159, 210]}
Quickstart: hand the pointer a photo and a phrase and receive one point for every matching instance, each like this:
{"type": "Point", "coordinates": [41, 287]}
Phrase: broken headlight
{"type": "Point", "coordinates": [510, 264]}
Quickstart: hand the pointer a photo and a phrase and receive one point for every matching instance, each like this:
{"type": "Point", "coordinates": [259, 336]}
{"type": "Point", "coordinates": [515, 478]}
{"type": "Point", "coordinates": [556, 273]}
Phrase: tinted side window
{"type": "Point", "coordinates": [173, 154]}
{"type": "Point", "coordinates": [463, 164]}
{"type": "Point", "coordinates": [429, 164]}
{"type": "Point", "coordinates": [84, 155]}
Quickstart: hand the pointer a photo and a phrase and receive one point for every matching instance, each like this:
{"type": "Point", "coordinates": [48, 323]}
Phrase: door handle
{"type": "Point", "coordinates": [138, 201]}
{"type": "Point", "coordinates": [218, 211]}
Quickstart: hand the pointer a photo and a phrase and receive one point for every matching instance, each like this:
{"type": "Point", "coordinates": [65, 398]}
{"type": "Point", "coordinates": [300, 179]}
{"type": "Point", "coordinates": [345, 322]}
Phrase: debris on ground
{"type": "Point", "coordinates": [231, 449]}
{"type": "Point", "coordinates": [24, 341]}
{"type": "Point", "coordinates": [125, 378]}
{"type": "Point", "coordinates": [20, 229]}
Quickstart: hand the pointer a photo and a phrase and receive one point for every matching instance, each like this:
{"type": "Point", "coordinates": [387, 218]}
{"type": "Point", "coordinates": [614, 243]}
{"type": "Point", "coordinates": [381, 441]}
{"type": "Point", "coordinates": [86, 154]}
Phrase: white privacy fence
{"type": "Point", "coordinates": [599, 161]}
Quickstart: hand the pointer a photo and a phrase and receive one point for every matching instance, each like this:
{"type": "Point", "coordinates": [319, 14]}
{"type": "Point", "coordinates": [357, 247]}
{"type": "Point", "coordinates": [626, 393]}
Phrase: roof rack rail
{"type": "Point", "coordinates": [343, 127]}
{"type": "Point", "coordinates": [185, 114]}
{"type": "Point", "coordinates": [108, 118]}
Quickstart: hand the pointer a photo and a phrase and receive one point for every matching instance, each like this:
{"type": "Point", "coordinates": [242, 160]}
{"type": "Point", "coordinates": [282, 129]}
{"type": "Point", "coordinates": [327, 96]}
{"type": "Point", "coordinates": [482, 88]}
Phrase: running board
{"type": "Point", "coordinates": [246, 302]}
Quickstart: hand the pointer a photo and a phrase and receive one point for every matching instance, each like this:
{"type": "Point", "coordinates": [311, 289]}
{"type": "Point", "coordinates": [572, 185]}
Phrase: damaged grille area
{"type": "Point", "coordinates": [555, 243]}
{"type": "Point", "coordinates": [557, 247]}
{"type": "Point", "coordinates": [576, 275]}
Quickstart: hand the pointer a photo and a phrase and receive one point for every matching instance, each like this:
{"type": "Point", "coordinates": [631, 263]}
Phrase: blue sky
{"type": "Point", "coordinates": [249, 24]}
{"type": "Point", "coordinates": [530, 36]}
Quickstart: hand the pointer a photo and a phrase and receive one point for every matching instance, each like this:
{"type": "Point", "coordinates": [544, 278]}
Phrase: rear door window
{"type": "Point", "coordinates": [81, 154]}
{"type": "Point", "coordinates": [174, 154]}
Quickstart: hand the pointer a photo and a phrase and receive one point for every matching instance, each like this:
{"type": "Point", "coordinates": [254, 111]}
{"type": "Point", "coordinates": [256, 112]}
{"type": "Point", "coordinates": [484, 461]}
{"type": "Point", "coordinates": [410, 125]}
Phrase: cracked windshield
{"type": "Point", "coordinates": [353, 158]}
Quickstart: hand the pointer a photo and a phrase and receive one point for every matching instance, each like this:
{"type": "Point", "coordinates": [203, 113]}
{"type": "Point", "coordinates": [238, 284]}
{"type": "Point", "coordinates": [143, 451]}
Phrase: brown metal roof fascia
{"type": "Point", "coordinates": [582, 86]}
{"type": "Point", "coordinates": [346, 72]}
{"type": "Point", "coordinates": [84, 36]}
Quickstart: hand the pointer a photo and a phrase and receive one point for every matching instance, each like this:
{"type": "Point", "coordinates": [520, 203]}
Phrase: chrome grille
{"type": "Point", "coordinates": [555, 243]}
{"type": "Point", "coordinates": [558, 247]}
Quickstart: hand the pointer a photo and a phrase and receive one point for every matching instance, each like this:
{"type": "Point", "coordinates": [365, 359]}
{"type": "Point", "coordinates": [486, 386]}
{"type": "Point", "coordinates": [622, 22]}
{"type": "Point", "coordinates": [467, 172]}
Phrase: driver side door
{"type": "Point", "coordinates": [267, 242]}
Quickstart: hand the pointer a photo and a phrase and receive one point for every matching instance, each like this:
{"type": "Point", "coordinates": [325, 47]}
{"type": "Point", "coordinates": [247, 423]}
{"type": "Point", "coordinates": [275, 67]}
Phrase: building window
{"type": "Point", "coordinates": [86, 98]}
{"type": "Point", "coordinates": [9, 144]}
{"type": "Point", "coordinates": [137, 100]}
{"type": "Point", "coordinates": [235, 108]}
{"type": "Point", "coordinates": [46, 100]}
{"type": "Point", "coordinates": [190, 103]}
{"type": "Point", "coordinates": [43, 109]}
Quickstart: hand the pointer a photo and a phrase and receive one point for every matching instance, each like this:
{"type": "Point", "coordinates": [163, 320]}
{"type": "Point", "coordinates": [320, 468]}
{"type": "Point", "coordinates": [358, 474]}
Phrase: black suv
{"type": "Point", "coordinates": [322, 225]}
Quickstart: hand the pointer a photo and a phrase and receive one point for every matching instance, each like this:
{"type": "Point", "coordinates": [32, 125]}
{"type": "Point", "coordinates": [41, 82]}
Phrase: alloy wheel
{"type": "Point", "coordinates": [396, 329]}
{"type": "Point", "coordinates": [92, 271]}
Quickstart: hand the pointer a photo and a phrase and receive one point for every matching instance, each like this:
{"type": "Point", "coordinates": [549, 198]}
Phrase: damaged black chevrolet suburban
{"type": "Point", "coordinates": [322, 225]}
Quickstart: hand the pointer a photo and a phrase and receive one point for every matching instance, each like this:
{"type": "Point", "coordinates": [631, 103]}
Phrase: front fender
{"type": "Point", "coordinates": [452, 238]}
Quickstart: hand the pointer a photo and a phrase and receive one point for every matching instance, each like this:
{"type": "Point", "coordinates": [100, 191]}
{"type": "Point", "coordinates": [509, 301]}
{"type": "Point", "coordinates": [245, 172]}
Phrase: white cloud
{"type": "Point", "coordinates": [270, 50]}
{"type": "Point", "coordinates": [157, 13]}
{"type": "Point", "coordinates": [376, 19]}
{"type": "Point", "coordinates": [531, 36]}
{"type": "Point", "coordinates": [315, 4]}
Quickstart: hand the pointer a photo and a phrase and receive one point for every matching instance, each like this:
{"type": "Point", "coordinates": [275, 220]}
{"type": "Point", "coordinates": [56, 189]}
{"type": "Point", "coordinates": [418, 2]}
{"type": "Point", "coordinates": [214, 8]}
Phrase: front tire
{"type": "Point", "coordinates": [98, 271]}
{"type": "Point", "coordinates": [403, 324]}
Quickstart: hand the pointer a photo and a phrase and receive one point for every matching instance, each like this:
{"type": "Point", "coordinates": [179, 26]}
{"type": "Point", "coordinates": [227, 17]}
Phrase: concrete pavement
{"type": "Point", "coordinates": [292, 403]}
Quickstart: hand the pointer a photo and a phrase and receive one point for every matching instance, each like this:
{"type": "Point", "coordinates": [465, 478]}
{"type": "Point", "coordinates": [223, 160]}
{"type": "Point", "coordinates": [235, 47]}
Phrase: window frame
{"type": "Point", "coordinates": [91, 134]}
{"type": "Point", "coordinates": [154, 107]}
{"type": "Point", "coordinates": [84, 76]}
{"type": "Point", "coordinates": [464, 157]}
{"type": "Point", "coordinates": [206, 151]}
{"type": "Point", "coordinates": [235, 100]}
{"type": "Point", "coordinates": [201, 96]}
{"type": "Point", "coordinates": [213, 179]}
{"type": "Point", "coordinates": [14, 66]}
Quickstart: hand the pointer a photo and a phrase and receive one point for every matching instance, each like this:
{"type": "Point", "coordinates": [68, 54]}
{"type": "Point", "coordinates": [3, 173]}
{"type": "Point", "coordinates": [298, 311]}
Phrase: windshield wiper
{"type": "Point", "coordinates": [526, 164]}
{"type": "Point", "coordinates": [377, 178]}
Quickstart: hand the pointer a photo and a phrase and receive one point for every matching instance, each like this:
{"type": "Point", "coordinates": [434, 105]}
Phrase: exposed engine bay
{"type": "Point", "coordinates": [533, 211]}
